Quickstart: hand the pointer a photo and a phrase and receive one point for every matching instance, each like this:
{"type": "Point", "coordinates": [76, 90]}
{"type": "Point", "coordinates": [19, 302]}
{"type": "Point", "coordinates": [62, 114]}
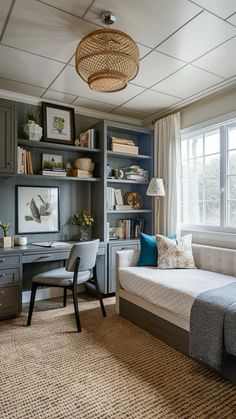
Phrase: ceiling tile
{"type": "Point", "coordinates": [222, 8]}
{"type": "Point", "coordinates": [150, 102]}
{"type": "Point", "coordinates": [187, 82]}
{"type": "Point", "coordinates": [27, 68]}
{"type": "Point", "coordinates": [155, 67]}
{"type": "Point", "coordinates": [123, 111]}
{"type": "Point", "coordinates": [232, 19]}
{"type": "Point", "coordinates": [220, 60]}
{"type": "Point", "coordinates": [77, 8]}
{"type": "Point", "coordinates": [43, 30]}
{"type": "Point", "coordinates": [23, 88]}
{"type": "Point", "coordinates": [4, 9]}
{"type": "Point", "coordinates": [58, 96]}
{"type": "Point", "coordinates": [70, 82]}
{"type": "Point", "coordinates": [93, 104]}
{"type": "Point", "coordinates": [197, 37]}
{"type": "Point", "coordinates": [148, 22]}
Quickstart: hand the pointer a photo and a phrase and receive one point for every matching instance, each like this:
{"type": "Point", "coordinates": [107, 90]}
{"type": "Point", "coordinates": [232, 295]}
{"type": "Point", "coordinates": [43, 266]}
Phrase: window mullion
{"type": "Point", "coordinates": [223, 176]}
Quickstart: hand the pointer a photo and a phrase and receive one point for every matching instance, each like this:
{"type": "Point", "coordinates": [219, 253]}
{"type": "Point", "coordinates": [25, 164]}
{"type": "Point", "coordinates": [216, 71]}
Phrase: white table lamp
{"type": "Point", "coordinates": [156, 189]}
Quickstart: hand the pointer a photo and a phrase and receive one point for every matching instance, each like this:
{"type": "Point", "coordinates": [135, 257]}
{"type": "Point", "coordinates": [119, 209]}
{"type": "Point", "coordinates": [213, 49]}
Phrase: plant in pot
{"type": "Point", "coordinates": [32, 128]}
{"type": "Point", "coordinates": [6, 239]}
{"type": "Point", "coordinates": [85, 221]}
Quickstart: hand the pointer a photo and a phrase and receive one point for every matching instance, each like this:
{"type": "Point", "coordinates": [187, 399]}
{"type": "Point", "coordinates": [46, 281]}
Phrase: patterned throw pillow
{"type": "Point", "coordinates": [175, 253]}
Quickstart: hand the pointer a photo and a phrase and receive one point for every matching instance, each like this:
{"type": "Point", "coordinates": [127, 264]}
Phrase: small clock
{"type": "Point", "coordinates": [134, 199]}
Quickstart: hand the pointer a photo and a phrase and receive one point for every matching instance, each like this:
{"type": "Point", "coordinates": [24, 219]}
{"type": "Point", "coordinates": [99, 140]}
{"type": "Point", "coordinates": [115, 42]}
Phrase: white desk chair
{"type": "Point", "coordinates": [80, 268]}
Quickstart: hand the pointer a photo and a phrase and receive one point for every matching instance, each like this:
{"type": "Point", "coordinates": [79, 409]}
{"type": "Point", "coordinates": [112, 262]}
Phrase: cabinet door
{"type": "Point", "coordinates": [7, 139]}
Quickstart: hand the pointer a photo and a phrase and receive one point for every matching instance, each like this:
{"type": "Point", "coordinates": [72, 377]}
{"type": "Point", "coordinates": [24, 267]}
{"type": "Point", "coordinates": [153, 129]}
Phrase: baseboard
{"type": "Point", "coordinates": [46, 293]}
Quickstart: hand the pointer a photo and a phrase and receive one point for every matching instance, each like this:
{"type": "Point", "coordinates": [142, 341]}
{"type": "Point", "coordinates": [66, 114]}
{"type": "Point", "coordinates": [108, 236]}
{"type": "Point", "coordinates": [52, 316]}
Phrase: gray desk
{"type": "Point", "coordinates": [19, 263]}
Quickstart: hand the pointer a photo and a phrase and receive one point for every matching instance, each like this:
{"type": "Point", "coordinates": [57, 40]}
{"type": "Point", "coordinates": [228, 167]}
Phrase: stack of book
{"type": "Point", "coordinates": [83, 174]}
{"type": "Point", "coordinates": [115, 201]}
{"type": "Point", "coordinates": [127, 229]}
{"type": "Point", "coordinates": [54, 172]}
{"type": "Point", "coordinates": [136, 173]}
{"type": "Point", "coordinates": [123, 145]}
{"type": "Point", "coordinates": [24, 162]}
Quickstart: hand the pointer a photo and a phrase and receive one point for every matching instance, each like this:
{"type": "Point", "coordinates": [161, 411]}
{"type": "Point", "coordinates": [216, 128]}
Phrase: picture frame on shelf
{"type": "Point", "coordinates": [118, 197]}
{"type": "Point", "coordinates": [59, 123]}
{"type": "Point", "coordinates": [37, 209]}
{"type": "Point", "coordinates": [51, 161]}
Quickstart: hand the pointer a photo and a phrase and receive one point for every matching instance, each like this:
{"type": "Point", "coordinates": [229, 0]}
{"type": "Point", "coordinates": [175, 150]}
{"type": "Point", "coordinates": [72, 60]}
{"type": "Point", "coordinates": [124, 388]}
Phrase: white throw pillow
{"type": "Point", "coordinates": [175, 253]}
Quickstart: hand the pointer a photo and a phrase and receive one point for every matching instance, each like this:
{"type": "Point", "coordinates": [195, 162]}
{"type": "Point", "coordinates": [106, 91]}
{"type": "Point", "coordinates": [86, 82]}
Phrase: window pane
{"type": "Point", "coordinates": [232, 138]}
{"type": "Point", "coordinates": [232, 214]}
{"type": "Point", "coordinates": [196, 213]}
{"type": "Point", "coordinates": [196, 191]}
{"type": "Point", "coordinates": [232, 187]}
{"type": "Point", "coordinates": [212, 189]}
{"type": "Point", "coordinates": [212, 142]}
{"type": "Point", "coordinates": [212, 166]}
{"type": "Point", "coordinates": [196, 168]}
{"type": "Point", "coordinates": [185, 169]}
{"type": "Point", "coordinates": [195, 147]}
{"type": "Point", "coordinates": [184, 149]}
{"type": "Point", "coordinates": [212, 213]}
{"type": "Point", "coordinates": [232, 162]}
{"type": "Point", "coordinates": [185, 213]}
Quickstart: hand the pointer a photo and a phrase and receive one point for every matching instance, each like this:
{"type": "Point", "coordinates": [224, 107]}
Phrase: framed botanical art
{"type": "Point", "coordinates": [59, 123]}
{"type": "Point", "coordinates": [37, 209]}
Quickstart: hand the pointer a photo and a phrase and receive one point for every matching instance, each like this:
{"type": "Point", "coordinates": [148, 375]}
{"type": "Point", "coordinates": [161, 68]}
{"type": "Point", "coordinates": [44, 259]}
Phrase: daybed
{"type": "Point", "coordinates": [160, 301]}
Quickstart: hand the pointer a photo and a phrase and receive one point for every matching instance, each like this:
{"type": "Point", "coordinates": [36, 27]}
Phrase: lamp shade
{"type": "Point", "coordinates": [156, 187]}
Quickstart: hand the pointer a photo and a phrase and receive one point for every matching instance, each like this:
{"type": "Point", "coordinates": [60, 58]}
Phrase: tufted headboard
{"type": "Point", "coordinates": [215, 259]}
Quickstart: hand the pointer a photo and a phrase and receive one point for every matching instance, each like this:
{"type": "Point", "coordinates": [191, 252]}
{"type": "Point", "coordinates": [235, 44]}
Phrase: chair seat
{"type": "Point", "coordinates": [61, 277]}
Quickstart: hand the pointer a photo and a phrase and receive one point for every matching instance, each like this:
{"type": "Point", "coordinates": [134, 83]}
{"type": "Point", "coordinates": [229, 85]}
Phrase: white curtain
{"type": "Point", "coordinates": [167, 138]}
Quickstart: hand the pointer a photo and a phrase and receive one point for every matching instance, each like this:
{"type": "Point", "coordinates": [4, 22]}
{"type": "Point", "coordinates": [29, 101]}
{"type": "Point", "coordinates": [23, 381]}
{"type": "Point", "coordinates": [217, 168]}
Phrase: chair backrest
{"type": "Point", "coordinates": [87, 251]}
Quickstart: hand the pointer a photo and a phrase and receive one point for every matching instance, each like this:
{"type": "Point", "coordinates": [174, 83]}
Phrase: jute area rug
{"type": "Point", "coordinates": [112, 369]}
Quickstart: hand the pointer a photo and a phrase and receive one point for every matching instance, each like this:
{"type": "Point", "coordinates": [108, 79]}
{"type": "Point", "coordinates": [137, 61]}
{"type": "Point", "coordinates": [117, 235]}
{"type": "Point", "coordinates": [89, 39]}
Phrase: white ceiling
{"type": "Point", "coordinates": [187, 49]}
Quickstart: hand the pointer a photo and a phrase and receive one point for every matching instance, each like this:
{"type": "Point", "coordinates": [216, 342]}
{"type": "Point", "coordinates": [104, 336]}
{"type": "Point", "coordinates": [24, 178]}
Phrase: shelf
{"type": "Point", "coordinates": [127, 155]}
{"type": "Point", "coordinates": [55, 146]}
{"type": "Point", "coordinates": [129, 211]}
{"type": "Point", "coordinates": [93, 179]}
{"type": "Point", "coordinates": [127, 181]}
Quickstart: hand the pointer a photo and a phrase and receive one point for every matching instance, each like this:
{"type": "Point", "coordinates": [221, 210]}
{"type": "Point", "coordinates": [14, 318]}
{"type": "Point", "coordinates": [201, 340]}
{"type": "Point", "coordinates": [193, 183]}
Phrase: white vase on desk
{"type": "Point", "coordinates": [7, 241]}
{"type": "Point", "coordinates": [33, 131]}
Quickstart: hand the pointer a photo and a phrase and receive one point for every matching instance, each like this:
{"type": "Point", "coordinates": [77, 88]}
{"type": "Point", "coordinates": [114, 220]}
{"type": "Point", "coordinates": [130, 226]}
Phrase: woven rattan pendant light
{"type": "Point", "coordinates": [107, 59]}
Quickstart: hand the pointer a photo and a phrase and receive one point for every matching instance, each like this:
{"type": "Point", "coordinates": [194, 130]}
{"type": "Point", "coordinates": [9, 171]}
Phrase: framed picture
{"type": "Point", "coordinates": [37, 209]}
{"type": "Point", "coordinates": [59, 123]}
{"type": "Point", "coordinates": [52, 161]}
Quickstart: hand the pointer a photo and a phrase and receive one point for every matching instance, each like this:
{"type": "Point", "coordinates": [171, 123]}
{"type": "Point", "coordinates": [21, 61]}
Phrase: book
{"type": "Point", "coordinates": [120, 148]}
{"type": "Point", "coordinates": [123, 207]}
{"type": "Point", "coordinates": [136, 177]}
{"type": "Point", "coordinates": [116, 140]}
{"type": "Point", "coordinates": [51, 244]}
{"type": "Point", "coordinates": [20, 161]}
{"type": "Point", "coordinates": [53, 173]}
{"type": "Point", "coordinates": [110, 199]}
{"type": "Point", "coordinates": [80, 173]}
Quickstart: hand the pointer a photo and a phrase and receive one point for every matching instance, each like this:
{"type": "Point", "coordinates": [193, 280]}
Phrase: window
{"type": "Point", "coordinates": [209, 178]}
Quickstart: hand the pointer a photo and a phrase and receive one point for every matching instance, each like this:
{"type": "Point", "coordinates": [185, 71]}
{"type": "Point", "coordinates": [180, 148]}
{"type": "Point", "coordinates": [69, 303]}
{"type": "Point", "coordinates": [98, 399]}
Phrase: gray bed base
{"type": "Point", "coordinates": [171, 334]}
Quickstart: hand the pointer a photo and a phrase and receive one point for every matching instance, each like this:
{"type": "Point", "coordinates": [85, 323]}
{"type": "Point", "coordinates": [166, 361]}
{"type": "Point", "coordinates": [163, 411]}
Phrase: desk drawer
{"type": "Point", "coordinates": [9, 261]}
{"type": "Point", "coordinates": [44, 256]}
{"type": "Point", "coordinates": [114, 249]}
{"type": "Point", "coordinates": [9, 277]}
{"type": "Point", "coordinates": [9, 302]}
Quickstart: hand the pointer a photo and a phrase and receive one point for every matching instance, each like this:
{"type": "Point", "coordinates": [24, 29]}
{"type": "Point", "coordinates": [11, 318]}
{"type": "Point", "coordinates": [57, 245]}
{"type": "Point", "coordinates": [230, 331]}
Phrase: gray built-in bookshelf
{"type": "Point", "coordinates": [75, 193]}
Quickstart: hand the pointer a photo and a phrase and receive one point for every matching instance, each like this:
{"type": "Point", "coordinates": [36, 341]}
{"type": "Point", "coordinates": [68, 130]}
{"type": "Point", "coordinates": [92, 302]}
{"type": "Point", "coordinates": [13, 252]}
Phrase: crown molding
{"type": "Point", "coordinates": [210, 93]}
{"type": "Point", "coordinates": [32, 100]}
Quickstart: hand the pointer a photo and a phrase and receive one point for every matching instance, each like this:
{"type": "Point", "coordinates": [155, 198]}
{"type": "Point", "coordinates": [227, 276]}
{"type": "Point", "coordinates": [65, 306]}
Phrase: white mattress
{"type": "Point", "coordinates": [174, 290]}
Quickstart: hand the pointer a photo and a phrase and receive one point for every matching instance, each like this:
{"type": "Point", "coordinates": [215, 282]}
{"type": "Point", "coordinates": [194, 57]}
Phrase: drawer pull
{"type": "Point", "coordinates": [0, 304]}
{"type": "Point", "coordinates": [44, 257]}
{"type": "Point", "coordinates": [2, 260]}
{"type": "Point", "coordinates": [2, 292]}
{"type": "Point", "coordinates": [1, 275]}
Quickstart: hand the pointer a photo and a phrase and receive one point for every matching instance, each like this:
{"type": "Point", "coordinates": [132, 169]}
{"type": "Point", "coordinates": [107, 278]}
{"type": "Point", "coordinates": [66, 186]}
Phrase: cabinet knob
{"type": "Point", "coordinates": [2, 292]}
{"type": "Point", "coordinates": [2, 260]}
{"type": "Point", "coordinates": [1, 275]}
{"type": "Point", "coordinates": [8, 163]}
{"type": "Point", "coordinates": [0, 304]}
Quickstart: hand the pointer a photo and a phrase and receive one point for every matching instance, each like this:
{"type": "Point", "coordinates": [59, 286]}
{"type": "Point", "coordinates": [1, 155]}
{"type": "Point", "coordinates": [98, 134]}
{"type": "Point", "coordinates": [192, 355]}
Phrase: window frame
{"type": "Point", "coordinates": [222, 123]}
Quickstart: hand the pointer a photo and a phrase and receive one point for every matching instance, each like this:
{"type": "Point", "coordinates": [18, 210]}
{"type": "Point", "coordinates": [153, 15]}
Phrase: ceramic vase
{"type": "Point", "coordinates": [33, 131]}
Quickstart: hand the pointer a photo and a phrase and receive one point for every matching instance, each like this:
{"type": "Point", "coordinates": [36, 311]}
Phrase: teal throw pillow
{"type": "Point", "coordinates": [149, 252]}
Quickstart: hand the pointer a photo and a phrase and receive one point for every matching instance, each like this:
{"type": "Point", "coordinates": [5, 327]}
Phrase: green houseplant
{"type": "Point", "coordinates": [6, 238]}
{"type": "Point", "coordinates": [32, 128]}
{"type": "Point", "coordinates": [85, 221]}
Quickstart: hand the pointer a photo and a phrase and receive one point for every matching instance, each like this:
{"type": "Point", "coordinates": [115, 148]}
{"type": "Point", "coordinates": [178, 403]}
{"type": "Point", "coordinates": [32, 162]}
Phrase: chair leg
{"type": "Point", "coordinates": [99, 296]}
{"type": "Point", "coordinates": [64, 297]}
{"type": "Point", "coordinates": [75, 300]}
{"type": "Point", "coordinates": [32, 300]}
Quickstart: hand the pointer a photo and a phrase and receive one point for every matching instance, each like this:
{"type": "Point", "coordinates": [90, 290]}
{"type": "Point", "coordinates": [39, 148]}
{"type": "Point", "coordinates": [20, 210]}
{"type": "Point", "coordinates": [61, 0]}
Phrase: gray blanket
{"type": "Point", "coordinates": [213, 322]}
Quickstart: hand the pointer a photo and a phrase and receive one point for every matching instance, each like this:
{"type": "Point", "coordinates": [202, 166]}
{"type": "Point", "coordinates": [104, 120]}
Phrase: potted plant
{"type": "Point", "coordinates": [6, 239]}
{"type": "Point", "coordinates": [85, 221]}
{"type": "Point", "coordinates": [32, 128]}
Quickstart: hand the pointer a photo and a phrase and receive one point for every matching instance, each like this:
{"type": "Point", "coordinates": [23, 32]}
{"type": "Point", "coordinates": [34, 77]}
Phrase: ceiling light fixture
{"type": "Point", "coordinates": [107, 59]}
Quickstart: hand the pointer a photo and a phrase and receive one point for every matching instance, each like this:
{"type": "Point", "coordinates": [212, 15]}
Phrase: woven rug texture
{"type": "Point", "coordinates": [113, 369]}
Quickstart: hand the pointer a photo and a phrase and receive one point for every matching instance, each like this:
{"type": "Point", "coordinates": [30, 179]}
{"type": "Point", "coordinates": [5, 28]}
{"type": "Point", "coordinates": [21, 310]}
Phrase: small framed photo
{"type": "Point", "coordinates": [118, 197]}
{"type": "Point", "coordinates": [37, 209]}
{"type": "Point", "coordinates": [52, 161]}
{"type": "Point", "coordinates": [59, 123]}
